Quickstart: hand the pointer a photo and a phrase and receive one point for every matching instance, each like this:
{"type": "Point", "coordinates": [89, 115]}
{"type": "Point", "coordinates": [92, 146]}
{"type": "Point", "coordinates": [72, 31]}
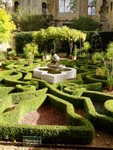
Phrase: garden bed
{"type": "Point", "coordinates": [45, 115]}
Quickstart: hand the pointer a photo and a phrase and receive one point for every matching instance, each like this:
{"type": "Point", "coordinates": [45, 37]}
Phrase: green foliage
{"type": "Point", "coordinates": [107, 59]}
{"type": "Point", "coordinates": [6, 102]}
{"type": "Point", "coordinates": [52, 34]}
{"type": "Point", "coordinates": [5, 91]}
{"type": "Point", "coordinates": [109, 53]}
{"type": "Point", "coordinates": [6, 26]}
{"type": "Point", "coordinates": [100, 72]}
{"type": "Point", "coordinates": [12, 53]}
{"type": "Point", "coordinates": [28, 76]}
{"type": "Point", "coordinates": [106, 38]}
{"type": "Point", "coordinates": [100, 121]}
{"type": "Point", "coordinates": [21, 39]}
{"type": "Point", "coordinates": [57, 33]}
{"type": "Point", "coordinates": [108, 108]}
{"type": "Point", "coordinates": [86, 46]}
{"type": "Point", "coordinates": [30, 50]}
{"type": "Point", "coordinates": [27, 20]}
{"type": "Point", "coordinates": [92, 78]}
{"type": "Point", "coordinates": [2, 56]}
{"type": "Point", "coordinates": [18, 97]}
{"type": "Point", "coordinates": [95, 42]}
{"type": "Point", "coordinates": [85, 24]}
{"type": "Point", "coordinates": [94, 86]}
{"type": "Point", "coordinates": [25, 88]}
{"type": "Point", "coordinates": [75, 51]}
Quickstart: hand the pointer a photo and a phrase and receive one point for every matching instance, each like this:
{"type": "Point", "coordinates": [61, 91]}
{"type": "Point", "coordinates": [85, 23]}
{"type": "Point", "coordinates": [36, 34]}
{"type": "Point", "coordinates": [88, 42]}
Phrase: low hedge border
{"type": "Point", "coordinates": [25, 88]}
{"type": "Point", "coordinates": [77, 91]}
{"type": "Point", "coordinates": [94, 86]}
{"type": "Point", "coordinates": [50, 134]}
{"type": "Point", "coordinates": [101, 122]}
{"type": "Point", "coordinates": [14, 76]}
{"type": "Point", "coordinates": [5, 90]}
{"type": "Point", "coordinates": [91, 86]}
{"type": "Point", "coordinates": [83, 133]}
{"type": "Point", "coordinates": [108, 108]}
{"type": "Point", "coordinates": [5, 73]}
{"type": "Point", "coordinates": [84, 74]}
{"type": "Point", "coordinates": [11, 82]}
{"type": "Point", "coordinates": [18, 97]}
{"type": "Point", "coordinates": [5, 103]}
{"type": "Point", "coordinates": [97, 96]}
{"type": "Point", "coordinates": [76, 101]}
{"type": "Point", "coordinates": [91, 79]}
{"type": "Point", "coordinates": [67, 108]}
{"type": "Point", "coordinates": [28, 76]}
{"type": "Point", "coordinates": [13, 117]}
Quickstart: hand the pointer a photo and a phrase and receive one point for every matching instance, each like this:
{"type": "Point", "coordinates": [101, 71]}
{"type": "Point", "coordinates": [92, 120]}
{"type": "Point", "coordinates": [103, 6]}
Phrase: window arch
{"type": "Point", "coordinates": [65, 6]}
{"type": "Point", "coordinates": [44, 6]}
{"type": "Point", "coordinates": [16, 5]}
{"type": "Point", "coordinates": [91, 7]}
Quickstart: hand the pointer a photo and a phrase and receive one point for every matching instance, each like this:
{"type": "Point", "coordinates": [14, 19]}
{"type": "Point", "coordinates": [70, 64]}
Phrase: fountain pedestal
{"type": "Point", "coordinates": [52, 77]}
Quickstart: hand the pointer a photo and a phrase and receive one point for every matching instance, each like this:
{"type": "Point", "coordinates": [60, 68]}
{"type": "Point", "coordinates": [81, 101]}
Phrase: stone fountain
{"type": "Point", "coordinates": [53, 73]}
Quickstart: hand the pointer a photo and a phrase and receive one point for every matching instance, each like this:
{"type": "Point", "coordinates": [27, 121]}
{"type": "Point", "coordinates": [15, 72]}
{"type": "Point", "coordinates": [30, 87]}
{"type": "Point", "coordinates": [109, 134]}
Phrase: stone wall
{"type": "Point", "coordinates": [104, 11]}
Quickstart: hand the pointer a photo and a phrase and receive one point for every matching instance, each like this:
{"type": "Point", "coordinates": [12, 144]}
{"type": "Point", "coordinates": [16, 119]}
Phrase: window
{"type": "Point", "coordinates": [91, 7]}
{"type": "Point", "coordinates": [44, 8]}
{"type": "Point", "coordinates": [66, 6]}
{"type": "Point", "coordinates": [16, 5]}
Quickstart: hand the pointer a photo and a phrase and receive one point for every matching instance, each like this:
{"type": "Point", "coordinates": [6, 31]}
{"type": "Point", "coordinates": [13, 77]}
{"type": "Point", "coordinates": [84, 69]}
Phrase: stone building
{"type": "Point", "coordinates": [100, 10]}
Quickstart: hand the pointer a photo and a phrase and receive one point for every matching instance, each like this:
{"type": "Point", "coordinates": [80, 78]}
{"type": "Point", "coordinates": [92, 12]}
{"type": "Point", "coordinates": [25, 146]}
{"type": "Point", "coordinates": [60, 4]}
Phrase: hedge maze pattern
{"type": "Point", "coordinates": [19, 89]}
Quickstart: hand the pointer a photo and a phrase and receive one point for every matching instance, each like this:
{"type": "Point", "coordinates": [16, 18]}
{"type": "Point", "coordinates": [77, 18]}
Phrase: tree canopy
{"type": "Point", "coordinates": [27, 20]}
{"type": "Point", "coordinates": [6, 25]}
{"type": "Point", "coordinates": [85, 24]}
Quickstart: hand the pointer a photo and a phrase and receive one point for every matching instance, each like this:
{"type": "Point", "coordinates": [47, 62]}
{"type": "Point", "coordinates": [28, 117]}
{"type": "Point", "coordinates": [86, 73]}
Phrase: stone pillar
{"type": "Point", "coordinates": [83, 8]}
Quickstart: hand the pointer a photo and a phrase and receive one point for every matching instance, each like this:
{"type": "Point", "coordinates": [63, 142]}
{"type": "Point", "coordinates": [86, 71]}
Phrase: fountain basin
{"type": "Point", "coordinates": [64, 74]}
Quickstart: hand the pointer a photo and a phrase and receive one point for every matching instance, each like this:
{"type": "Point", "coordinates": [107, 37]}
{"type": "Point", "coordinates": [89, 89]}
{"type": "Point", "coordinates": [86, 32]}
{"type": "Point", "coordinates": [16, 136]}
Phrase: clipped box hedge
{"type": "Point", "coordinates": [14, 76]}
{"type": "Point", "coordinates": [21, 39]}
{"type": "Point", "coordinates": [18, 97]}
{"type": "Point", "coordinates": [24, 106]}
{"type": "Point", "coordinates": [25, 88]}
{"type": "Point", "coordinates": [97, 96]}
{"type": "Point", "coordinates": [94, 86]}
{"type": "Point", "coordinates": [5, 103]}
{"type": "Point", "coordinates": [91, 78]}
{"type": "Point", "coordinates": [108, 108]}
{"type": "Point", "coordinates": [100, 121]}
{"type": "Point", "coordinates": [5, 91]}
{"type": "Point", "coordinates": [79, 130]}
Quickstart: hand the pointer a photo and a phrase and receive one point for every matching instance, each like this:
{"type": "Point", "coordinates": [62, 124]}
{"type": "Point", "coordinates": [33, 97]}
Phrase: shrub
{"type": "Point", "coordinates": [25, 88]}
{"type": "Point", "coordinates": [108, 108]}
{"type": "Point", "coordinates": [85, 24]}
{"type": "Point", "coordinates": [21, 39]}
{"type": "Point", "coordinates": [5, 91]}
{"type": "Point", "coordinates": [18, 97]}
{"type": "Point", "coordinates": [2, 56]}
{"type": "Point", "coordinates": [6, 26]}
{"type": "Point", "coordinates": [27, 20]}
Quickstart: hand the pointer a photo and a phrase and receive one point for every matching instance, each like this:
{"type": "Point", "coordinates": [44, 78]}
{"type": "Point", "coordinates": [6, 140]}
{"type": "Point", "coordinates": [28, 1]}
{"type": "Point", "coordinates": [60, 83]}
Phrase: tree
{"type": "Point", "coordinates": [85, 24]}
{"type": "Point", "coordinates": [107, 59]}
{"type": "Point", "coordinates": [27, 20]}
{"type": "Point", "coordinates": [6, 26]}
{"type": "Point", "coordinates": [53, 34]}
